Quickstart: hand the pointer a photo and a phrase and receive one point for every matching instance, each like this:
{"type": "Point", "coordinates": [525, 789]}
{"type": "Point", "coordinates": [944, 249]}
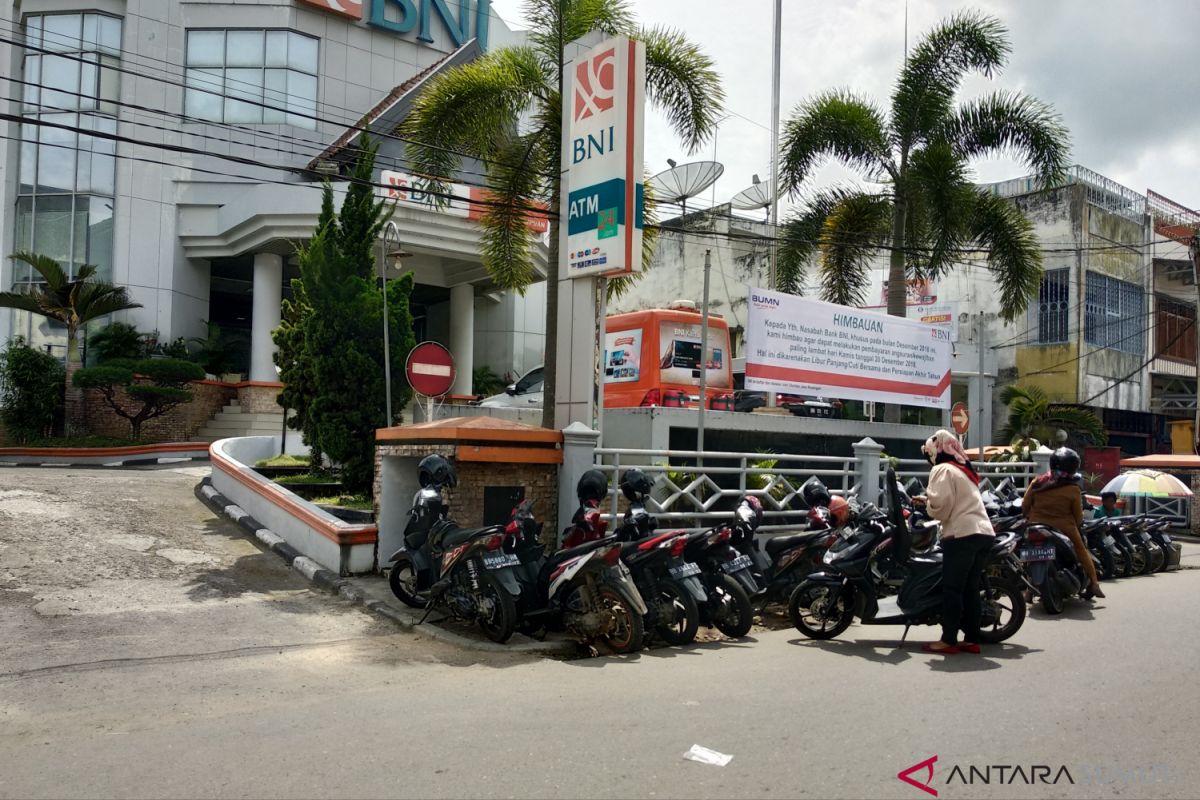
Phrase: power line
{"type": "Point", "coordinates": [1145, 363]}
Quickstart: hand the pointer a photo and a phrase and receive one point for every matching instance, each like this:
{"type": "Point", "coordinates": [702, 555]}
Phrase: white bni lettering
{"type": "Point", "coordinates": [431, 369]}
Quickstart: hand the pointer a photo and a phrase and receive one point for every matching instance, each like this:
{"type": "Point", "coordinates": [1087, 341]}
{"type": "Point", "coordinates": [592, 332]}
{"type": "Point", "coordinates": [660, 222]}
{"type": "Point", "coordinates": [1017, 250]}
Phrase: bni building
{"type": "Point", "coordinates": [181, 146]}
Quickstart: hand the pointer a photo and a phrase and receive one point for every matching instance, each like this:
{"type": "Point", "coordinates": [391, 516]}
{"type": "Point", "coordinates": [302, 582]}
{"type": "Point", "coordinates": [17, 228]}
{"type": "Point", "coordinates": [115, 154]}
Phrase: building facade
{"type": "Point", "coordinates": [181, 145]}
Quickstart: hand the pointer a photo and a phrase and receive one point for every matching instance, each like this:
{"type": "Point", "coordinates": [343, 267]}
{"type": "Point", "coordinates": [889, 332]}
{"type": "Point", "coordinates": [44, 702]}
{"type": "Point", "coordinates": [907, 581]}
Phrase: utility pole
{"type": "Point", "coordinates": [704, 357]}
{"type": "Point", "coordinates": [1194, 251]}
{"type": "Point", "coordinates": [775, 69]}
{"type": "Point", "coordinates": [981, 436]}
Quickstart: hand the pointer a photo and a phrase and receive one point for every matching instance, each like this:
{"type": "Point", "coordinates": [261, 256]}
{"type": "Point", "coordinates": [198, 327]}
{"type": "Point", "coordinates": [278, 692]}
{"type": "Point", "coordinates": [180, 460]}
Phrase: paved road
{"type": "Point", "coordinates": [275, 692]}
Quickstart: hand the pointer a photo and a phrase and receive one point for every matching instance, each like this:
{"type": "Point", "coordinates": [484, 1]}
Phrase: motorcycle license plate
{"type": "Point", "coordinates": [501, 560]}
{"type": "Point", "coordinates": [741, 562]}
{"type": "Point", "coordinates": [685, 570]}
{"type": "Point", "coordinates": [1109, 541]}
{"type": "Point", "coordinates": [1037, 554]}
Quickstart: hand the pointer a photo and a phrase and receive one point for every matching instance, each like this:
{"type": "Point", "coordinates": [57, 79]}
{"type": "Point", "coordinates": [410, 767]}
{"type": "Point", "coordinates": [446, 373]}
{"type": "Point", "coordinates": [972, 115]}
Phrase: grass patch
{"type": "Point", "coordinates": [359, 502]}
{"type": "Point", "coordinates": [308, 477]}
{"type": "Point", "coordinates": [286, 460]}
{"type": "Point", "coordinates": [81, 441]}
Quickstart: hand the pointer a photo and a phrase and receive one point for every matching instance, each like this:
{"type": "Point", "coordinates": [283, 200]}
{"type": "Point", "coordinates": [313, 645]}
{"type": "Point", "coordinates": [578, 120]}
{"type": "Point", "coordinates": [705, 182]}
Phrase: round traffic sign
{"type": "Point", "coordinates": [430, 369]}
{"type": "Point", "coordinates": [961, 418]}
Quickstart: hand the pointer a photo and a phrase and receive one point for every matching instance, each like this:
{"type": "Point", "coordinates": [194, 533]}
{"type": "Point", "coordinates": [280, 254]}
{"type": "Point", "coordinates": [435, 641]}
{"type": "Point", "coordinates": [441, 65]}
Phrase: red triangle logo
{"type": "Point", "coordinates": [925, 766]}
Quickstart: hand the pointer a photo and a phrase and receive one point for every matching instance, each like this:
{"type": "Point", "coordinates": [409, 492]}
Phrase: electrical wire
{"type": "Point", "coordinates": [1144, 364]}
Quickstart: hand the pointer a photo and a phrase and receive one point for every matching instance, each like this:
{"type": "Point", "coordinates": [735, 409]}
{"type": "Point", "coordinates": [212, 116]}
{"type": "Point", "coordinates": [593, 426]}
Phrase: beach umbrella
{"type": "Point", "coordinates": [1147, 483]}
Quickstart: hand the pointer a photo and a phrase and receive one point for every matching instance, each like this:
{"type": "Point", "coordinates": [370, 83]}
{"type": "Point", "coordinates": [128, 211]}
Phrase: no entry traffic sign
{"type": "Point", "coordinates": [430, 369]}
{"type": "Point", "coordinates": [961, 418]}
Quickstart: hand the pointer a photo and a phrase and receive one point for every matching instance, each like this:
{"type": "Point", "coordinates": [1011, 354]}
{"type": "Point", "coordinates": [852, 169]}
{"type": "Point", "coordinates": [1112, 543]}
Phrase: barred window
{"type": "Point", "coordinates": [1115, 315]}
{"type": "Point", "coordinates": [1174, 336]}
{"type": "Point", "coordinates": [1053, 307]}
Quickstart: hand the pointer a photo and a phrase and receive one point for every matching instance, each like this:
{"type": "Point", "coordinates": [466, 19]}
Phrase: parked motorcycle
{"type": "Point", "coordinates": [782, 562]}
{"type": "Point", "coordinates": [462, 570]}
{"type": "Point", "coordinates": [1172, 550]}
{"type": "Point", "coordinates": [1144, 549]}
{"type": "Point", "coordinates": [1102, 545]}
{"type": "Point", "coordinates": [1054, 570]}
{"type": "Point", "coordinates": [583, 588]}
{"type": "Point", "coordinates": [725, 573]}
{"type": "Point", "coordinates": [825, 603]}
{"type": "Point", "coordinates": [668, 583]}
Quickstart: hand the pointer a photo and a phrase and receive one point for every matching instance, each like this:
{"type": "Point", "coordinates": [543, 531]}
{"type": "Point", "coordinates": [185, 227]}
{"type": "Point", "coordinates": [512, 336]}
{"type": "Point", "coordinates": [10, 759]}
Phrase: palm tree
{"type": "Point", "coordinates": [1031, 415]}
{"type": "Point", "coordinates": [928, 210]}
{"type": "Point", "coordinates": [504, 109]}
{"type": "Point", "coordinates": [71, 302]}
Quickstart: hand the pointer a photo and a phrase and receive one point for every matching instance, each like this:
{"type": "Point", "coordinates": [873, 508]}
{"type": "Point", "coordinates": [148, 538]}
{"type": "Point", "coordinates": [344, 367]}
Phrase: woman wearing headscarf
{"type": "Point", "coordinates": [1055, 498]}
{"type": "Point", "coordinates": [953, 499]}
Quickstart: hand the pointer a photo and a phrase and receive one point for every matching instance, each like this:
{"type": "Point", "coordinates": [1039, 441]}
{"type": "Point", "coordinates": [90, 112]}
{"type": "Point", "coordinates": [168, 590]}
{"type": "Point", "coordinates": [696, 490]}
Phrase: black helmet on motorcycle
{"type": "Point", "coordinates": [592, 487]}
{"type": "Point", "coordinates": [1064, 461]}
{"type": "Point", "coordinates": [436, 471]}
{"type": "Point", "coordinates": [816, 495]}
{"type": "Point", "coordinates": [635, 484]}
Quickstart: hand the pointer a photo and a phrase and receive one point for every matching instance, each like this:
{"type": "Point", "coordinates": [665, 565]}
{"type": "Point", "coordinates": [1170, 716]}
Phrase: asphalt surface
{"type": "Point", "coordinates": [218, 680]}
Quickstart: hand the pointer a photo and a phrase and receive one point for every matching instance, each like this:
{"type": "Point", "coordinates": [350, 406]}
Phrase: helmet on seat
{"type": "Point", "coordinates": [592, 487]}
{"type": "Point", "coordinates": [750, 511]}
{"type": "Point", "coordinates": [839, 509]}
{"type": "Point", "coordinates": [1064, 461]}
{"type": "Point", "coordinates": [436, 471]}
{"type": "Point", "coordinates": [816, 494]}
{"type": "Point", "coordinates": [636, 485]}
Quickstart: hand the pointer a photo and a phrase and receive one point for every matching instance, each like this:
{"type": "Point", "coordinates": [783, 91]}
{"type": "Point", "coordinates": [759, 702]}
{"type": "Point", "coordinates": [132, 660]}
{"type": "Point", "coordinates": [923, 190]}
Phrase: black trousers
{"type": "Point", "coordinates": [963, 558]}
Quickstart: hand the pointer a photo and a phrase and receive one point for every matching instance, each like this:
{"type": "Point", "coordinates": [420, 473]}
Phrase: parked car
{"type": "Point", "coordinates": [525, 393]}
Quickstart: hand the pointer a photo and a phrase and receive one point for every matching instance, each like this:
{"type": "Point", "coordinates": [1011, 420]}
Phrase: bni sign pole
{"type": "Point", "coordinates": [600, 207]}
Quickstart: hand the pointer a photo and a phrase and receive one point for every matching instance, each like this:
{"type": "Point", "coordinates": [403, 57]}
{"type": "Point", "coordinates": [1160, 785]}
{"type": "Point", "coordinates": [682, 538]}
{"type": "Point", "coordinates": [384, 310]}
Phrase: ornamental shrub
{"type": "Point", "coordinates": [31, 391]}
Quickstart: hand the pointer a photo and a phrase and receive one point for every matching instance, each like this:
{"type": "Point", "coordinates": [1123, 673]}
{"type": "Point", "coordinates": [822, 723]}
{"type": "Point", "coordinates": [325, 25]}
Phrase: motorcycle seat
{"type": "Point", "coordinates": [453, 537]}
{"type": "Point", "coordinates": [567, 553]}
{"type": "Point", "coordinates": [778, 544]}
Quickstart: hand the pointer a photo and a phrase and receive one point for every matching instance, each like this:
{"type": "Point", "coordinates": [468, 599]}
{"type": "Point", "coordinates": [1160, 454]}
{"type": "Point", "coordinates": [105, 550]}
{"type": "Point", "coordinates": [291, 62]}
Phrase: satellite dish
{"type": "Point", "coordinates": [679, 183]}
{"type": "Point", "coordinates": [758, 195]}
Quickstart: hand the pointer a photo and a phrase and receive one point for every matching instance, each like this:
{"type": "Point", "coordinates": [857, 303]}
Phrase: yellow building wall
{"type": "Point", "coordinates": [1182, 436]}
{"type": "Point", "coordinates": [1052, 368]}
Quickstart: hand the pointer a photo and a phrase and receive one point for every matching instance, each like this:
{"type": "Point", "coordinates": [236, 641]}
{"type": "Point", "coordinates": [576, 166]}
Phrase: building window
{"type": "Point", "coordinates": [1053, 307]}
{"type": "Point", "coordinates": [1174, 331]}
{"type": "Point", "coordinates": [67, 174]}
{"type": "Point", "coordinates": [1115, 314]}
{"type": "Point", "coordinates": [251, 76]}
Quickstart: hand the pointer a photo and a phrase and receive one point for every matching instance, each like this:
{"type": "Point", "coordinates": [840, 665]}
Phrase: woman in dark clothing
{"type": "Point", "coordinates": [1056, 499]}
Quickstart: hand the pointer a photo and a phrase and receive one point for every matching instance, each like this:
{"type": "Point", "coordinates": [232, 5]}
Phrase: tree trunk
{"type": "Point", "coordinates": [897, 293]}
{"type": "Point", "coordinates": [74, 416]}
{"type": "Point", "coordinates": [550, 360]}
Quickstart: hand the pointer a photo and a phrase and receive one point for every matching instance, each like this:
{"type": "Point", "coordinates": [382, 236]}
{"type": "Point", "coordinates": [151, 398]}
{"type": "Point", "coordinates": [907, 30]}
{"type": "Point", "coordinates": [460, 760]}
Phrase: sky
{"type": "Point", "coordinates": [1122, 73]}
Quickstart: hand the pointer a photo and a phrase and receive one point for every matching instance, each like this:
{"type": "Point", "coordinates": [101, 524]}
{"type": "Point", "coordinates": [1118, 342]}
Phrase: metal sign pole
{"type": "Point", "coordinates": [703, 358]}
{"type": "Point", "coordinates": [602, 343]}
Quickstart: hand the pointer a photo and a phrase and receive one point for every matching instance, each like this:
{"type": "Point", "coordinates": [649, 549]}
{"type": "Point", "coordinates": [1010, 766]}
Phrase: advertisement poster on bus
{"type": "Point", "coordinates": [795, 345]}
{"type": "Point", "coordinates": [680, 360]}
{"type": "Point", "coordinates": [622, 356]}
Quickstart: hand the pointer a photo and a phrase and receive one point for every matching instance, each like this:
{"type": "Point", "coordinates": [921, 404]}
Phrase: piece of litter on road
{"type": "Point", "coordinates": [706, 756]}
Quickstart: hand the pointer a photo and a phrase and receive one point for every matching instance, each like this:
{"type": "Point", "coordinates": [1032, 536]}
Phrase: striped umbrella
{"type": "Point", "coordinates": [1147, 483]}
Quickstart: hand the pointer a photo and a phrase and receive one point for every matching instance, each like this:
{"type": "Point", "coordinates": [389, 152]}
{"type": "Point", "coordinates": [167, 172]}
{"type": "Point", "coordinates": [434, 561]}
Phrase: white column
{"type": "Point", "coordinates": [462, 336]}
{"type": "Point", "coordinates": [268, 297]}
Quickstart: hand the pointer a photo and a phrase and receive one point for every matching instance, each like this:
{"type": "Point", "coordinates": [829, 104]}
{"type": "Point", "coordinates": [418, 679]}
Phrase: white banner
{"type": "Point", "coordinates": [603, 118]}
{"type": "Point", "coordinates": [799, 346]}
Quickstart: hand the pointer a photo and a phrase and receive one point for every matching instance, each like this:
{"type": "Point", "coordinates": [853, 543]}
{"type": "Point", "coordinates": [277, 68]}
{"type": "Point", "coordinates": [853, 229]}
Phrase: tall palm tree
{"type": "Point", "coordinates": [923, 207]}
{"type": "Point", "coordinates": [1031, 415]}
{"type": "Point", "coordinates": [504, 109]}
{"type": "Point", "coordinates": [73, 302]}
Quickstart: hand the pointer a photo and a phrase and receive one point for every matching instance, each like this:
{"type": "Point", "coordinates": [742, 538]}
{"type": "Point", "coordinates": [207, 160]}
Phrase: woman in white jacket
{"type": "Point", "coordinates": [953, 499]}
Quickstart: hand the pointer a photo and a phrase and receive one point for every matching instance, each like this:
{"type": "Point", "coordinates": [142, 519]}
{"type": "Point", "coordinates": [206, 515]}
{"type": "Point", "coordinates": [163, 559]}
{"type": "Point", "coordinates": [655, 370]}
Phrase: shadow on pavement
{"type": "Point", "coordinates": [887, 651]}
{"type": "Point", "coordinates": [1073, 610]}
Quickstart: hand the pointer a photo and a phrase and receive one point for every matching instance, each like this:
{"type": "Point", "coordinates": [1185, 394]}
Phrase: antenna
{"type": "Point", "coordinates": [756, 195]}
{"type": "Point", "coordinates": [678, 183]}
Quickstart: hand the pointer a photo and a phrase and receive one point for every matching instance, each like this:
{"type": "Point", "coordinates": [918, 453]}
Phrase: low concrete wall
{"type": "Point", "coordinates": [334, 544]}
{"type": "Point", "coordinates": [103, 456]}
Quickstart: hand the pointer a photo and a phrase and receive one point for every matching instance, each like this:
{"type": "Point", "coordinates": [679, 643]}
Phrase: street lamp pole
{"type": "Point", "coordinates": [389, 230]}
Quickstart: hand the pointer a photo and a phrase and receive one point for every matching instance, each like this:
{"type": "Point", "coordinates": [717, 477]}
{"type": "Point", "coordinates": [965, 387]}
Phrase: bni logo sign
{"type": "Point", "coordinates": [595, 84]}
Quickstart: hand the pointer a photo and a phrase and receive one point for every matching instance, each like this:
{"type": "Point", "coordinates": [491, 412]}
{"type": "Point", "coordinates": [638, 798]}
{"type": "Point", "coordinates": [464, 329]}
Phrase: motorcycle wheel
{"type": "Point", "coordinates": [1009, 603]}
{"type": "Point", "coordinates": [1136, 561]}
{"type": "Point", "coordinates": [403, 580]}
{"type": "Point", "coordinates": [499, 623]}
{"type": "Point", "coordinates": [734, 614]}
{"type": "Point", "coordinates": [1121, 565]}
{"type": "Point", "coordinates": [1052, 599]}
{"type": "Point", "coordinates": [818, 625]}
{"type": "Point", "coordinates": [1108, 564]}
{"type": "Point", "coordinates": [1159, 556]}
{"type": "Point", "coordinates": [677, 615]}
{"type": "Point", "coordinates": [1143, 559]}
{"type": "Point", "coordinates": [627, 623]}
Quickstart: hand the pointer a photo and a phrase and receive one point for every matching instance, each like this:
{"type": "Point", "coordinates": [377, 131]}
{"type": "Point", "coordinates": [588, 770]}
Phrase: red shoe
{"type": "Point", "coordinates": [950, 650]}
{"type": "Point", "coordinates": [969, 647]}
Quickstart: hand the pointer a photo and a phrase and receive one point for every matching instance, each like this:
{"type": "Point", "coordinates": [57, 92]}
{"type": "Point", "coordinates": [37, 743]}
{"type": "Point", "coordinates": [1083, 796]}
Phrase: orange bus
{"type": "Point", "coordinates": [652, 358]}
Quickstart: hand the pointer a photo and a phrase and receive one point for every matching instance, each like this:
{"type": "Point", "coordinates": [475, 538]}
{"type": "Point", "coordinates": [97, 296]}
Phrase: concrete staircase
{"type": "Point", "coordinates": [234, 421]}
